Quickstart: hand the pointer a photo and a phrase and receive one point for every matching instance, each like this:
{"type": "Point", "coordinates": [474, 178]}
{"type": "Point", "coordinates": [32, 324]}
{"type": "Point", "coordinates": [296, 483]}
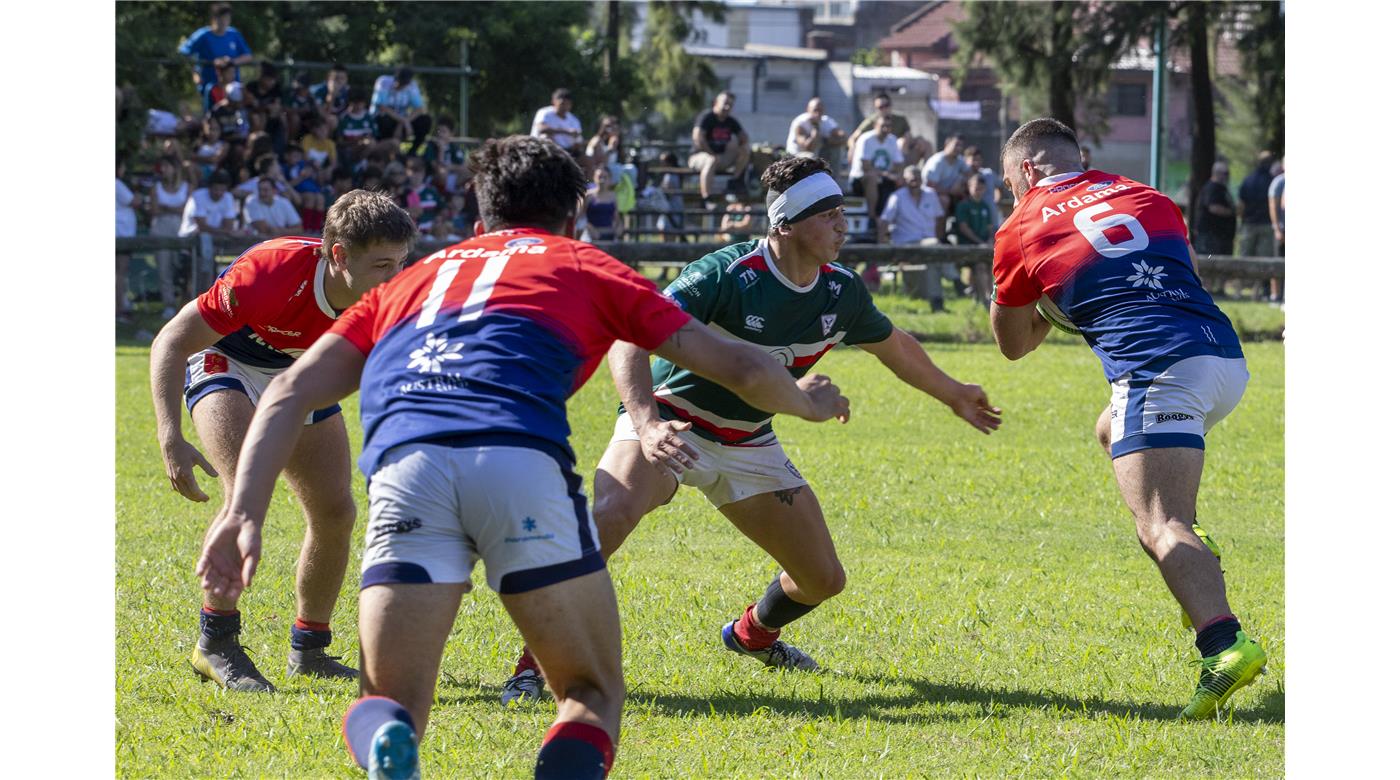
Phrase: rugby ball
{"type": "Point", "coordinates": [1054, 316]}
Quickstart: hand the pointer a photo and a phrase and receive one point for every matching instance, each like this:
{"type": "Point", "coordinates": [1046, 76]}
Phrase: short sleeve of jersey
{"type": "Point", "coordinates": [231, 303]}
{"type": "Point", "coordinates": [1014, 284]}
{"type": "Point", "coordinates": [356, 324]}
{"type": "Point", "coordinates": [632, 310]}
{"type": "Point", "coordinates": [870, 324]}
{"type": "Point", "coordinates": [699, 288]}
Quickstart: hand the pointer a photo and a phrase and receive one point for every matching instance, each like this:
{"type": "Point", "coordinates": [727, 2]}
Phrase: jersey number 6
{"type": "Point", "coordinates": [1093, 229]}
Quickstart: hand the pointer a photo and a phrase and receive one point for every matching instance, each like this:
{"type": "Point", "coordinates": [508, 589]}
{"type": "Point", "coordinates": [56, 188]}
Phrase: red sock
{"type": "Point", "coordinates": [307, 625]}
{"type": "Point", "coordinates": [527, 661]}
{"type": "Point", "coordinates": [573, 762]}
{"type": "Point", "coordinates": [220, 612]}
{"type": "Point", "coordinates": [751, 635]}
{"type": "Point", "coordinates": [1217, 619]}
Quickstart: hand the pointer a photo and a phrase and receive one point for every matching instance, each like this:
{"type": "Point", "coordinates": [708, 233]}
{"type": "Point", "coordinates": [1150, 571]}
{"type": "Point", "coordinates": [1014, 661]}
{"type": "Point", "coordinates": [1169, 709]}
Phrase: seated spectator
{"type": "Point", "coordinates": [449, 159]}
{"type": "Point", "coordinates": [304, 179]}
{"type": "Point", "coordinates": [991, 192]}
{"type": "Point", "coordinates": [913, 148]}
{"type": "Point", "coordinates": [720, 144]}
{"type": "Point", "coordinates": [737, 223]}
{"type": "Point", "coordinates": [421, 198]}
{"type": "Point", "coordinates": [396, 181]}
{"type": "Point", "coordinates": [228, 77]}
{"type": "Point", "coordinates": [264, 167]}
{"type": "Point", "coordinates": [211, 209]}
{"type": "Point", "coordinates": [946, 172]}
{"type": "Point", "coordinates": [814, 134]}
{"type": "Point", "coordinates": [211, 150]}
{"type": "Point", "coordinates": [355, 131]}
{"type": "Point", "coordinates": [317, 144]}
{"type": "Point", "coordinates": [912, 215]}
{"type": "Point", "coordinates": [372, 179]}
{"type": "Point", "coordinates": [600, 208]}
{"type": "Point", "coordinates": [233, 126]}
{"type": "Point", "coordinates": [557, 122]}
{"type": "Point", "coordinates": [301, 107]}
{"type": "Point", "coordinates": [873, 169]}
{"type": "Point", "coordinates": [1214, 229]}
{"type": "Point", "coordinates": [167, 204]}
{"type": "Point", "coordinates": [398, 109]}
{"type": "Point", "coordinates": [127, 203]}
{"type": "Point", "coordinates": [674, 221]}
{"type": "Point", "coordinates": [265, 94]}
{"type": "Point", "coordinates": [332, 97]}
{"type": "Point", "coordinates": [602, 149]}
{"type": "Point", "coordinates": [270, 214]}
{"type": "Point", "coordinates": [972, 216]}
{"type": "Point", "coordinates": [444, 231]}
{"type": "Point", "coordinates": [218, 44]}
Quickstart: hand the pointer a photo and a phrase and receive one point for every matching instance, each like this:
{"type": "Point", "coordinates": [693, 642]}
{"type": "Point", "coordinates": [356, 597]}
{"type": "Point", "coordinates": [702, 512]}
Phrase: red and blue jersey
{"type": "Point", "coordinates": [270, 305]}
{"type": "Point", "coordinates": [1112, 253]}
{"type": "Point", "coordinates": [492, 336]}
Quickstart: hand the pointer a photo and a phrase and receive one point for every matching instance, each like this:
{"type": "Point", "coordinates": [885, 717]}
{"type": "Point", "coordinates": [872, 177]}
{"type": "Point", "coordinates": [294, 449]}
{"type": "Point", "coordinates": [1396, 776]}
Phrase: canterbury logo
{"type": "Point", "coordinates": [753, 322]}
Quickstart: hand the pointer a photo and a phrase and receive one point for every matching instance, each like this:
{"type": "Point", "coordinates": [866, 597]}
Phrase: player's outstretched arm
{"type": "Point", "coordinates": [631, 373]}
{"type": "Point", "coordinates": [183, 336]}
{"type": "Point", "coordinates": [753, 374]}
{"type": "Point", "coordinates": [1018, 329]}
{"type": "Point", "coordinates": [328, 372]}
{"type": "Point", "coordinates": [903, 355]}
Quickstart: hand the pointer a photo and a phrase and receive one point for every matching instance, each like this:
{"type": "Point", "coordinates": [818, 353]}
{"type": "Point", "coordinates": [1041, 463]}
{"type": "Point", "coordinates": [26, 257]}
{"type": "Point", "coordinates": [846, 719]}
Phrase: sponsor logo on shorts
{"type": "Point", "coordinates": [1174, 417]}
{"type": "Point", "coordinates": [215, 363]}
{"type": "Point", "coordinates": [792, 469]}
{"type": "Point", "coordinates": [396, 527]}
{"type": "Point", "coordinates": [528, 525]}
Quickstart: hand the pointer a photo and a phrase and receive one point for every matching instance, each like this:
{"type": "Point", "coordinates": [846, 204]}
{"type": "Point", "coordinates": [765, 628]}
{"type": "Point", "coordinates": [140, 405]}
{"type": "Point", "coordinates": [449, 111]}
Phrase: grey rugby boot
{"type": "Point", "coordinates": [226, 662]}
{"type": "Point", "coordinates": [780, 654]}
{"type": "Point", "coordinates": [313, 662]}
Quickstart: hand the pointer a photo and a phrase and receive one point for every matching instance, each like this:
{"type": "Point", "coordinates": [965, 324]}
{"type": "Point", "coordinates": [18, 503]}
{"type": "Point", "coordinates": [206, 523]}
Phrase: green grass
{"type": "Point", "coordinates": [999, 619]}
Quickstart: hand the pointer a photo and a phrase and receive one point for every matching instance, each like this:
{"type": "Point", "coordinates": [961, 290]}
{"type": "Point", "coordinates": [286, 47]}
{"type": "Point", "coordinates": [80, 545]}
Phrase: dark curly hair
{"type": "Point", "coordinates": [521, 180]}
{"type": "Point", "coordinates": [789, 171]}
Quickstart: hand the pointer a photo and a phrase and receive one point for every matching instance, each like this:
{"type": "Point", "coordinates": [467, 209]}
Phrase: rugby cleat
{"type": "Point", "coordinates": [314, 662]}
{"type": "Point", "coordinates": [393, 754]}
{"type": "Point", "coordinates": [779, 655]}
{"type": "Point", "coordinates": [1215, 550]}
{"type": "Point", "coordinates": [226, 662]}
{"type": "Point", "coordinates": [525, 685]}
{"type": "Point", "coordinates": [1223, 674]}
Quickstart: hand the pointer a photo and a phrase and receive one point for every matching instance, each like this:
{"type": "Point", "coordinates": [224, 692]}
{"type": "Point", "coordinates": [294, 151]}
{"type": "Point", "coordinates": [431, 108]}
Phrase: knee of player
{"type": "Point", "coordinates": [828, 583]}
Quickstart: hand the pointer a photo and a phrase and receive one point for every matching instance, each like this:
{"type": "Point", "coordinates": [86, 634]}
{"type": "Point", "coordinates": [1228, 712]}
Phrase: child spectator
{"type": "Point", "coordinates": [266, 95]}
{"type": "Point", "coordinates": [301, 107]}
{"type": "Point", "coordinates": [421, 198]}
{"type": "Point", "coordinates": [449, 159]}
{"type": "Point", "coordinates": [332, 97]}
{"type": "Point", "coordinates": [972, 214]}
{"type": "Point", "coordinates": [167, 204]}
{"type": "Point", "coordinates": [355, 131]}
{"type": "Point", "coordinates": [211, 150]}
{"type": "Point", "coordinates": [737, 223]}
{"type": "Point", "coordinates": [317, 144]}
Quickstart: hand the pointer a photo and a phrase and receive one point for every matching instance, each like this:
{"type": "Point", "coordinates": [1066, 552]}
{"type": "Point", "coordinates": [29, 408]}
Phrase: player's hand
{"type": "Point", "coordinates": [180, 459]}
{"type": "Point", "coordinates": [230, 557]}
{"type": "Point", "coordinates": [663, 447]}
{"type": "Point", "coordinates": [970, 403]}
{"type": "Point", "coordinates": [826, 398]}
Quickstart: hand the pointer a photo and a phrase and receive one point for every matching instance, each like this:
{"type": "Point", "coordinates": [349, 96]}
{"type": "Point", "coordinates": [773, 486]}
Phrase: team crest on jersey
{"type": "Point", "coordinates": [1147, 275]}
{"type": "Point", "coordinates": [827, 321]}
{"type": "Point", "coordinates": [523, 241]}
{"type": "Point", "coordinates": [1095, 187]}
{"type": "Point", "coordinates": [429, 357]}
{"type": "Point", "coordinates": [747, 277]}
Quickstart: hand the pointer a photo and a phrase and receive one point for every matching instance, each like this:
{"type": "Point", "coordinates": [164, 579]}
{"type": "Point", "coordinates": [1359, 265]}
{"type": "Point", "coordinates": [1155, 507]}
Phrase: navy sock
{"type": "Point", "coordinates": [776, 609]}
{"type": "Point", "coordinates": [364, 718]}
{"type": "Point", "coordinates": [574, 751]}
{"type": "Point", "coordinates": [1217, 636]}
{"type": "Point", "coordinates": [310, 636]}
{"type": "Point", "coordinates": [215, 626]}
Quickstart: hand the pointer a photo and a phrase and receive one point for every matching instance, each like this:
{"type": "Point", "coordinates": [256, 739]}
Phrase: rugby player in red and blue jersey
{"type": "Point", "coordinates": [1112, 256]}
{"type": "Point", "coordinates": [227, 345]}
{"type": "Point", "coordinates": [464, 364]}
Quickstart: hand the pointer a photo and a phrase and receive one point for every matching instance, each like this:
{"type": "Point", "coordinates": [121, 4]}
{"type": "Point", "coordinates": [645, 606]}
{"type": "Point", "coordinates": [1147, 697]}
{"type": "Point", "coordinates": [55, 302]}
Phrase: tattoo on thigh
{"type": "Point", "coordinates": [786, 496]}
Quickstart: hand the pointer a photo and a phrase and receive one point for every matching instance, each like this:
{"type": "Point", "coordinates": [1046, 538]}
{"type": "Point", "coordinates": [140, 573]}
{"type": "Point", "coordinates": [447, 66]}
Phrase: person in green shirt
{"type": "Point", "coordinates": [973, 215]}
{"type": "Point", "coordinates": [785, 293]}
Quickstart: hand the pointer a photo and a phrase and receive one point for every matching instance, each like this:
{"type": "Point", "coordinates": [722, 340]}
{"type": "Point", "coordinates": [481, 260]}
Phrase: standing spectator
{"type": "Point", "coordinates": [397, 105]}
{"type": "Point", "coordinates": [976, 226]}
{"type": "Point", "coordinates": [557, 122]}
{"type": "Point", "coordinates": [332, 96]}
{"type": "Point", "coordinates": [991, 191]}
{"type": "Point", "coordinates": [1276, 209]}
{"type": "Point", "coordinates": [218, 44]}
{"type": "Point", "coordinates": [127, 203]}
{"type": "Point", "coordinates": [600, 207]}
{"type": "Point", "coordinates": [874, 165]}
{"type": "Point", "coordinates": [913, 215]}
{"type": "Point", "coordinates": [914, 148]}
{"type": "Point", "coordinates": [720, 144]}
{"type": "Point", "coordinates": [449, 158]}
{"type": "Point", "coordinates": [168, 196]}
{"type": "Point", "coordinates": [946, 172]}
{"type": "Point", "coordinates": [814, 134]}
{"type": "Point", "coordinates": [269, 214]}
{"type": "Point", "coordinates": [1215, 214]}
{"type": "Point", "coordinates": [1256, 230]}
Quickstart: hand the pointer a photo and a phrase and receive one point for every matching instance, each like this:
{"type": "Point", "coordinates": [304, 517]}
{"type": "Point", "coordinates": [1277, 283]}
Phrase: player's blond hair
{"type": "Point", "coordinates": [360, 218]}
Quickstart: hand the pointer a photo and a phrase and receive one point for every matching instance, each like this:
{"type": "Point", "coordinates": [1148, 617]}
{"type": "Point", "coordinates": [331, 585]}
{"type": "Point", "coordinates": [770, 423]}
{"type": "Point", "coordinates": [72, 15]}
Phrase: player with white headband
{"type": "Point", "coordinates": [785, 293]}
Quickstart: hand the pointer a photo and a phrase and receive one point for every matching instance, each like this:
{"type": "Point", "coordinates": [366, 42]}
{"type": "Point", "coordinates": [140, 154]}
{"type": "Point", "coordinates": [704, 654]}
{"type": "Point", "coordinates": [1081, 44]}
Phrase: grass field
{"type": "Point", "coordinates": [999, 619]}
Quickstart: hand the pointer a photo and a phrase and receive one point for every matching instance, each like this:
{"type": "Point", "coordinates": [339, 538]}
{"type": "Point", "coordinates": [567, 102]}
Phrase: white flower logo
{"type": "Point", "coordinates": [1146, 275]}
{"type": "Point", "coordinates": [429, 357]}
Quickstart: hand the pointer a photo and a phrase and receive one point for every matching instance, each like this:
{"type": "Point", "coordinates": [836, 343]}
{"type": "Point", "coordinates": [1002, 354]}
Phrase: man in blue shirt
{"type": "Point", "coordinates": [213, 46]}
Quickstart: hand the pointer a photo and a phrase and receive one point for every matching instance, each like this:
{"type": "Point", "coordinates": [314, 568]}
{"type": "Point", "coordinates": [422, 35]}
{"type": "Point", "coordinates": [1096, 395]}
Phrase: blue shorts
{"type": "Point", "coordinates": [210, 371]}
{"type": "Point", "coordinates": [1175, 404]}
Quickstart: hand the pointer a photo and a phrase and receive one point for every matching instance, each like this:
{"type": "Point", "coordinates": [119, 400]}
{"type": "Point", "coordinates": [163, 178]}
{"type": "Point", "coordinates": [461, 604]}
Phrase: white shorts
{"type": "Point", "coordinates": [434, 510]}
{"type": "Point", "coordinates": [210, 371]}
{"type": "Point", "coordinates": [726, 473]}
{"type": "Point", "coordinates": [1175, 405]}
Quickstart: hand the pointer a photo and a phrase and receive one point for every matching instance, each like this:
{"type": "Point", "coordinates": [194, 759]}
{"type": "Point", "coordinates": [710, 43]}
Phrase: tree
{"type": "Point", "coordinates": [1261, 45]}
{"type": "Point", "coordinates": [675, 85]}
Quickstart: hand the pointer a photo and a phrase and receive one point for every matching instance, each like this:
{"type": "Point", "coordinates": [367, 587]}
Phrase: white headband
{"type": "Point", "coordinates": [812, 195]}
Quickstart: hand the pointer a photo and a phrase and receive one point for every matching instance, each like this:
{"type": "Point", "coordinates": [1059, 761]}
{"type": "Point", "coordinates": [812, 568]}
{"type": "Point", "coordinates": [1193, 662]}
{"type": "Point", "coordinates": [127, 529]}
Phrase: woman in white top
{"type": "Point", "coordinates": [127, 202]}
{"type": "Point", "coordinates": [167, 203]}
